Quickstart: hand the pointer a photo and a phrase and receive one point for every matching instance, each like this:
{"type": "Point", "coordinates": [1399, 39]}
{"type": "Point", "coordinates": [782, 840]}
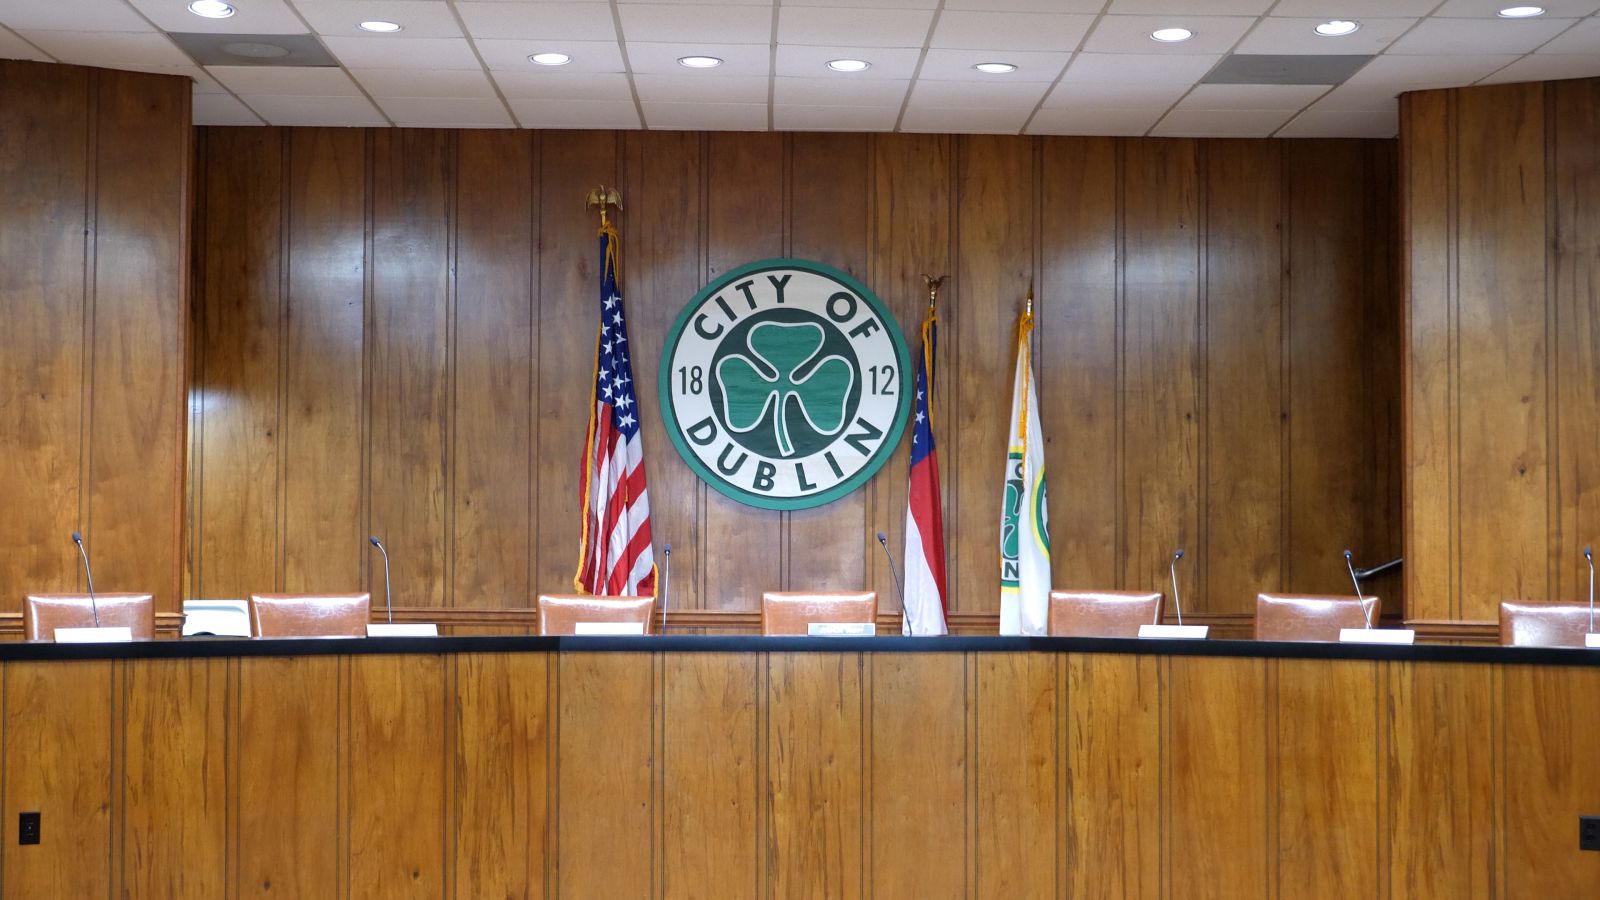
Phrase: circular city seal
{"type": "Point", "coordinates": [784, 384]}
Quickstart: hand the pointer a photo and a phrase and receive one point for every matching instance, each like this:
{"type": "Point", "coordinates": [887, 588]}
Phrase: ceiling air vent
{"type": "Point", "coordinates": [253, 49]}
{"type": "Point", "coordinates": [1296, 68]}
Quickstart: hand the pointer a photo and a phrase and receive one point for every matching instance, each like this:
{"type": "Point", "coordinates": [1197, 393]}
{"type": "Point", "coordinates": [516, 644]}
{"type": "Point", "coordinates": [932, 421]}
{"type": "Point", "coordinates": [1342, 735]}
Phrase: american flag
{"type": "Point", "coordinates": [924, 557]}
{"type": "Point", "coordinates": [616, 558]}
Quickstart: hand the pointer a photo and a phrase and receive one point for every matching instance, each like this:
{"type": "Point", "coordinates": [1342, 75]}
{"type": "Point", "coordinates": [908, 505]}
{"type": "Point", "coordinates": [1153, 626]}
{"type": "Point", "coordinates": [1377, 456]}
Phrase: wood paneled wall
{"type": "Point", "coordinates": [669, 774]}
{"type": "Point", "coordinates": [95, 167]}
{"type": "Point", "coordinates": [1502, 334]}
{"type": "Point", "coordinates": [393, 336]}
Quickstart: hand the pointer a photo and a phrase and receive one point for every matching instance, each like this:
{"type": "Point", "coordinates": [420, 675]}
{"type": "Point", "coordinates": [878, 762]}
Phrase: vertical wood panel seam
{"type": "Point", "coordinates": [703, 268]}
{"type": "Point", "coordinates": [1286, 422]}
{"type": "Point", "coordinates": [1200, 162]}
{"type": "Point", "coordinates": [535, 298]}
{"type": "Point", "coordinates": [195, 492]}
{"type": "Point", "coordinates": [1554, 552]}
{"type": "Point", "coordinates": [285, 279]}
{"type": "Point", "coordinates": [368, 351]}
{"type": "Point", "coordinates": [91, 250]}
{"type": "Point", "coordinates": [1119, 240]}
{"type": "Point", "coordinates": [452, 336]}
{"type": "Point", "coordinates": [1456, 602]}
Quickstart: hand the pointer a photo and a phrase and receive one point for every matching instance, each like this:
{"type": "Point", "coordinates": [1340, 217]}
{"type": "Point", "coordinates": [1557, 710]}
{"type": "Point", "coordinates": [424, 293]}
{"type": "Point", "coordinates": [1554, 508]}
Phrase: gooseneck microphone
{"type": "Point", "coordinates": [666, 583]}
{"type": "Point", "coordinates": [94, 607]}
{"type": "Point", "coordinates": [1173, 571]}
{"type": "Point", "coordinates": [1366, 612]}
{"type": "Point", "coordinates": [898, 586]}
{"type": "Point", "coordinates": [388, 598]}
{"type": "Point", "coordinates": [1589, 556]}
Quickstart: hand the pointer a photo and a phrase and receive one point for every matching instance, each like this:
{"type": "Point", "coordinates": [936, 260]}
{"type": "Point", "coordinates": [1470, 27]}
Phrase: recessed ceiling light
{"type": "Point", "coordinates": [1520, 12]}
{"type": "Point", "coordinates": [1337, 28]}
{"type": "Point", "coordinates": [550, 59]}
{"type": "Point", "coordinates": [849, 65]}
{"type": "Point", "coordinates": [995, 68]}
{"type": "Point", "coordinates": [380, 26]}
{"type": "Point", "coordinates": [1171, 35]}
{"type": "Point", "coordinates": [211, 9]}
{"type": "Point", "coordinates": [699, 62]}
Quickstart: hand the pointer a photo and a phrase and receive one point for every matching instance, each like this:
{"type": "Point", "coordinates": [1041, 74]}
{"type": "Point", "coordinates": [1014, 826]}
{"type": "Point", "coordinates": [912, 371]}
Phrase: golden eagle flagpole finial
{"type": "Point", "coordinates": [933, 288]}
{"type": "Point", "coordinates": [603, 197]}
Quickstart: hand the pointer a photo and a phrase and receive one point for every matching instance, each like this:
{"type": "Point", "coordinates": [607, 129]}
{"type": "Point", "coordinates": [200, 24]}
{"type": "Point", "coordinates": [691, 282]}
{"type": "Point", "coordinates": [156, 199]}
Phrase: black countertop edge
{"type": "Point", "coordinates": [194, 648]}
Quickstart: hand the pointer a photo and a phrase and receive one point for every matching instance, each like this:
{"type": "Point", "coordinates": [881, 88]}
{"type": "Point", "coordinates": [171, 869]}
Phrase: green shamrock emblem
{"type": "Point", "coordinates": [781, 378]}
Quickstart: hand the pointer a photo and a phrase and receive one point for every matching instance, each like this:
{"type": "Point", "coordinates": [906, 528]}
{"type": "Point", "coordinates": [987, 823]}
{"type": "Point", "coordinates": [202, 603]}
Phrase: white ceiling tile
{"type": "Point", "coordinates": [957, 65]}
{"type": "Point", "coordinates": [59, 15]}
{"type": "Point", "coordinates": [252, 17]}
{"type": "Point", "coordinates": [853, 27]}
{"type": "Point", "coordinates": [1185, 7]}
{"type": "Point", "coordinates": [1127, 121]}
{"type": "Point", "coordinates": [1373, 97]}
{"type": "Point", "coordinates": [1131, 34]}
{"type": "Point", "coordinates": [765, 3]}
{"type": "Point", "coordinates": [436, 112]}
{"type": "Point", "coordinates": [222, 109]}
{"type": "Point", "coordinates": [966, 120]}
{"type": "Point", "coordinates": [676, 23]}
{"type": "Point", "coordinates": [111, 49]}
{"type": "Point", "coordinates": [416, 18]}
{"type": "Point", "coordinates": [205, 84]}
{"type": "Point", "coordinates": [1280, 35]}
{"type": "Point", "coordinates": [828, 92]}
{"type": "Point", "coordinates": [575, 113]}
{"type": "Point", "coordinates": [13, 47]}
{"type": "Point", "coordinates": [1488, 9]}
{"type": "Point", "coordinates": [1251, 96]}
{"type": "Point", "coordinates": [539, 21]}
{"type": "Point", "coordinates": [1045, 6]}
{"type": "Point", "coordinates": [875, 4]}
{"type": "Point", "coordinates": [381, 50]}
{"type": "Point", "coordinates": [691, 87]}
{"type": "Point", "coordinates": [1428, 71]}
{"type": "Point", "coordinates": [888, 63]}
{"type": "Point", "coordinates": [1547, 67]}
{"type": "Point", "coordinates": [1583, 37]}
{"type": "Point", "coordinates": [963, 30]}
{"type": "Point", "coordinates": [1222, 123]}
{"type": "Point", "coordinates": [1116, 96]}
{"type": "Point", "coordinates": [1317, 122]}
{"type": "Point", "coordinates": [1136, 68]}
{"type": "Point", "coordinates": [424, 82]}
{"type": "Point", "coordinates": [834, 118]}
{"type": "Point", "coordinates": [284, 110]}
{"type": "Point", "coordinates": [556, 85]}
{"type": "Point", "coordinates": [707, 116]}
{"type": "Point", "coordinates": [587, 56]}
{"type": "Point", "coordinates": [291, 80]}
{"type": "Point", "coordinates": [737, 59]}
{"type": "Point", "coordinates": [1478, 36]}
{"type": "Point", "coordinates": [1353, 9]}
{"type": "Point", "coordinates": [966, 93]}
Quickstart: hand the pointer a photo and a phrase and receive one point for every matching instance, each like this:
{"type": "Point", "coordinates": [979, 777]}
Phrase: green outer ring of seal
{"type": "Point", "coordinates": [891, 436]}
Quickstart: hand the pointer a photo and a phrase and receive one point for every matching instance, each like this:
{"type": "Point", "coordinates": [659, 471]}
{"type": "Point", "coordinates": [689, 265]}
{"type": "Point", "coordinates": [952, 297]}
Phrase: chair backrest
{"type": "Point", "coordinates": [1102, 613]}
{"type": "Point", "coordinates": [42, 614]}
{"type": "Point", "coordinates": [1309, 617]}
{"type": "Point", "coordinates": [310, 615]}
{"type": "Point", "coordinates": [790, 612]}
{"type": "Point", "coordinates": [1543, 624]}
{"type": "Point", "coordinates": [561, 613]}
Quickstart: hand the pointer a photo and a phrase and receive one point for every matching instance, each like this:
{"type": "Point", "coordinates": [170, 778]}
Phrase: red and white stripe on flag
{"type": "Point", "coordinates": [924, 557]}
{"type": "Point", "coordinates": [616, 558]}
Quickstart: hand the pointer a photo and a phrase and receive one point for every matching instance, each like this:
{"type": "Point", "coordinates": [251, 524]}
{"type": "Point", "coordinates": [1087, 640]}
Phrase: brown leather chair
{"type": "Point", "coordinates": [1308, 617]}
{"type": "Point", "coordinates": [790, 612]}
{"type": "Point", "coordinates": [561, 613]}
{"type": "Point", "coordinates": [42, 614]}
{"type": "Point", "coordinates": [310, 615]}
{"type": "Point", "coordinates": [1102, 613]}
{"type": "Point", "coordinates": [1543, 624]}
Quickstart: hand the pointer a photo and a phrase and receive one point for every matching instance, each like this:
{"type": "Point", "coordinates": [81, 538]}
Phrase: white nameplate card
{"type": "Point", "coordinates": [103, 635]}
{"type": "Point", "coordinates": [608, 628]}
{"type": "Point", "coordinates": [1175, 632]}
{"type": "Point", "coordinates": [222, 618]}
{"type": "Point", "coordinates": [1377, 636]}
{"type": "Point", "coordinates": [841, 629]}
{"type": "Point", "coordinates": [406, 630]}
{"type": "Point", "coordinates": [1592, 641]}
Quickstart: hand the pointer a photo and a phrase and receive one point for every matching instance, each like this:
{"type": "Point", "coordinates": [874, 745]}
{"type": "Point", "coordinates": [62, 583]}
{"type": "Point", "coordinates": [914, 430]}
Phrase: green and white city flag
{"type": "Point", "coordinates": [1024, 516]}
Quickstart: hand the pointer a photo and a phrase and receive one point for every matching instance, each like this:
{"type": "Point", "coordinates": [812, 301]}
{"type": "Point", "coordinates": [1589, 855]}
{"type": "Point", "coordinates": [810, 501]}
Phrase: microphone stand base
{"type": "Point", "coordinates": [105, 634]}
{"type": "Point", "coordinates": [1175, 632]}
{"type": "Point", "coordinates": [1377, 636]}
{"type": "Point", "coordinates": [402, 630]}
